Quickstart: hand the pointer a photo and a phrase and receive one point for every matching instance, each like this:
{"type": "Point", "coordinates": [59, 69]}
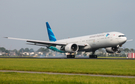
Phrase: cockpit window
{"type": "Point", "coordinates": [122, 36]}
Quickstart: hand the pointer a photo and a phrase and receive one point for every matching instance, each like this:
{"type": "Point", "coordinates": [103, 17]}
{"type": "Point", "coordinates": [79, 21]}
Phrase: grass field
{"type": "Point", "coordinates": [90, 66]}
{"type": "Point", "coordinates": [111, 57]}
{"type": "Point", "coordinates": [27, 78]}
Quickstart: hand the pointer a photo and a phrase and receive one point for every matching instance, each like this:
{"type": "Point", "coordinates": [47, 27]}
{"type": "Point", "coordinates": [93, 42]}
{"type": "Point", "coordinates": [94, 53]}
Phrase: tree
{"type": "Point", "coordinates": [17, 52]}
{"type": "Point", "coordinates": [2, 49]}
{"type": "Point", "coordinates": [132, 50]}
{"type": "Point", "coordinates": [31, 50]}
{"type": "Point", "coordinates": [43, 50]}
{"type": "Point", "coordinates": [7, 51]}
{"type": "Point", "coordinates": [126, 50]}
{"type": "Point", "coordinates": [26, 50]}
{"type": "Point", "coordinates": [14, 50]}
{"type": "Point", "coordinates": [21, 50]}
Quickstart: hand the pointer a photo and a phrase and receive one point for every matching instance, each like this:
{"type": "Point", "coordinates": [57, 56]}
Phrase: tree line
{"type": "Point", "coordinates": [20, 51]}
{"type": "Point", "coordinates": [45, 50]}
{"type": "Point", "coordinates": [2, 49]}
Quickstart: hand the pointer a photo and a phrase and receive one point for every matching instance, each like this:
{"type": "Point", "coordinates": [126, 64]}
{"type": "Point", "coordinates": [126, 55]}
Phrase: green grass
{"type": "Point", "coordinates": [28, 78]}
{"type": "Point", "coordinates": [110, 57]}
{"type": "Point", "coordinates": [90, 66]}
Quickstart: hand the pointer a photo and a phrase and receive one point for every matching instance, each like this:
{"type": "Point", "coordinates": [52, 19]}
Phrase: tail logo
{"type": "Point", "coordinates": [50, 33]}
{"type": "Point", "coordinates": [107, 35]}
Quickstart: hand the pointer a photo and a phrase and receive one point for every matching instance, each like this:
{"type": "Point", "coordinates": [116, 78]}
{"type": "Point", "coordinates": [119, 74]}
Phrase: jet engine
{"type": "Point", "coordinates": [69, 47]}
{"type": "Point", "coordinates": [112, 49]}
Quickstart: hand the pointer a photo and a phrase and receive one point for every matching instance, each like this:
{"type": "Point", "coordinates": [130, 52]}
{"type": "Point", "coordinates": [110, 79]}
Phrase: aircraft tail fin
{"type": "Point", "coordinates": [50, 33]}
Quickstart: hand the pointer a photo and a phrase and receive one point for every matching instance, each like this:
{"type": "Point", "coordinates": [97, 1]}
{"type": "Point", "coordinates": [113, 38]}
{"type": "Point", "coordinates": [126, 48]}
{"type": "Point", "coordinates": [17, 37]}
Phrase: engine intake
{"type": "Point", "coordinates": [71, 47]}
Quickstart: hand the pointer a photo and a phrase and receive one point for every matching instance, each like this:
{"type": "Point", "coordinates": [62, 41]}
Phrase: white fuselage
{"type": "Point", "coordinates": [96, 41]}
{"type": "Point", "coordinates": [110, 40]}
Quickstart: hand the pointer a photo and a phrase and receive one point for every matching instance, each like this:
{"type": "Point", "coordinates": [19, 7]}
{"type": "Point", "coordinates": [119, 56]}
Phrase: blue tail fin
{"type": "Point", "coordinates": [50, 32]}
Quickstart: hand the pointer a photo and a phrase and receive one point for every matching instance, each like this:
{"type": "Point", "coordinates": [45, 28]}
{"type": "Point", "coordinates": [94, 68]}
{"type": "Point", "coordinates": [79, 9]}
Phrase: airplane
{"type": "Point", "coordinates": [111, 41]}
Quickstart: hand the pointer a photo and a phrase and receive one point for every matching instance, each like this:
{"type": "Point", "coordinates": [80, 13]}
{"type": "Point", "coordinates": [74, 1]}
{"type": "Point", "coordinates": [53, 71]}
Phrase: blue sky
{"type": "Point", "coordinates": [67, 18]}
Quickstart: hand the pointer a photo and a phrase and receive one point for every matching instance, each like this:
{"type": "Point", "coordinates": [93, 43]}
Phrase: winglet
{"type": "Point", "coordinates": [50, 32]}
{"type": "Point", "coordinates": [130, 40]}
{"type": "Point", "coordinates": [5, 37]}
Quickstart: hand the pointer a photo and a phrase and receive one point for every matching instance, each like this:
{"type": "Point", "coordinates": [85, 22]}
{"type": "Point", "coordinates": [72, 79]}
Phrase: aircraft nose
{"type": "Point", "coordinates": [124, 39]}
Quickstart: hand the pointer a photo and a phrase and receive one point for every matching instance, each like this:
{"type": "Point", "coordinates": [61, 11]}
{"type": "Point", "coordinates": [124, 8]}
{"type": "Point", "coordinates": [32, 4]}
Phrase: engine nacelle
{"type": "Point", "coordinates": [68, 48]}
{"type": "Point", "coordinates": [71, 47]}
{"type": "Point", "coordinates": [112, 49]}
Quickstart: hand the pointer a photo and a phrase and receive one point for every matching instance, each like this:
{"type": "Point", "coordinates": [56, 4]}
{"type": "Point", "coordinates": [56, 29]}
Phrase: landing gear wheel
{"type": "Point", "coordinates": [93, 56]}
{"type": "Point", "coordinates": [70, 56]}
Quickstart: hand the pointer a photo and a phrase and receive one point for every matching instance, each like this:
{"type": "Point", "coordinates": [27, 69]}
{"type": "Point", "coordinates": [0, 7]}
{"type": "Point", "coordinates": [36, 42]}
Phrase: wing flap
{"type": "Point", "coordinates": [45, 42]}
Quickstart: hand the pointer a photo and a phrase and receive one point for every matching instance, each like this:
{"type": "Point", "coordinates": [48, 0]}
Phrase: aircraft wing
{"type": "Point", "coordinates": [43, 43]}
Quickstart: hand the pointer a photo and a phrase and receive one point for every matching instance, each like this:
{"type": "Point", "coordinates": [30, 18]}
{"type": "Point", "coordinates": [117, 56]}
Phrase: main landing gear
{"type": "Point", "coordinates": [70, 55]}
{"type": "Point", "coordinates": [93, 56]}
